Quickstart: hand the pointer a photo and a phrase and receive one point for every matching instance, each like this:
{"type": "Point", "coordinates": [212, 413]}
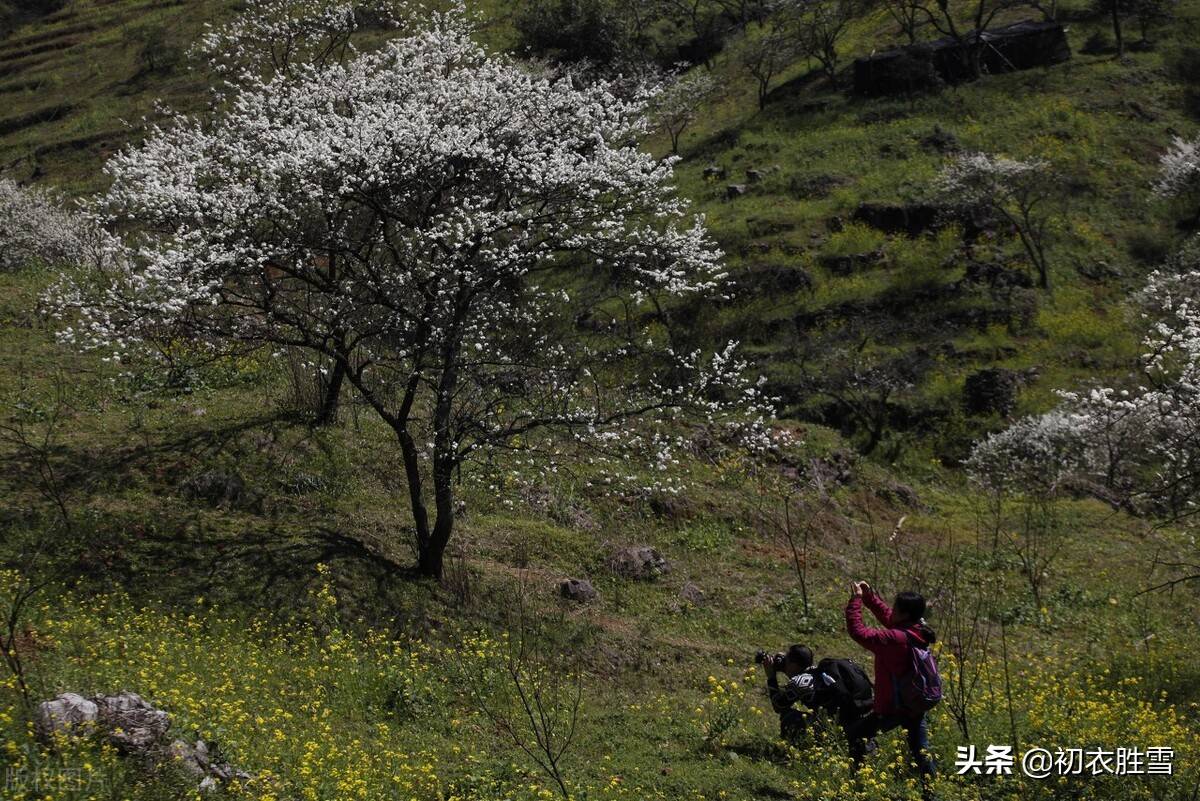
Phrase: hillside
{"type": "Point", "coordinates": [249, 572]}
{"type": "Point", "coordinates": [870, 330]}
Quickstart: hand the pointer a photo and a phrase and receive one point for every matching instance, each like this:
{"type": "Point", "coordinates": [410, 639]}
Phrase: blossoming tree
{"type": "Point", "coordinates": [478, 248]}
{"type": "Point", "coordinates": [1016, 191]}
{"type": "Point", "coordinates": [38, 228]}
{"type": "Point", "coordinates": [1179, 169]}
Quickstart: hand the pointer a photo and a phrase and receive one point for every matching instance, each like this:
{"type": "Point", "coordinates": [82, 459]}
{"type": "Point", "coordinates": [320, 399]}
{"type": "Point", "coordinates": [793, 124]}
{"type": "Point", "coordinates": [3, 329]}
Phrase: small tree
{"type": "Point", "coordinates": [1179, 169]}
{"type": "Point", "coordinates": [1153, 14]}
{"type": "Point", "coordinates": [434, 221]}
{"type": "Point", "coordinates": [966, 600]}
{"type": "Point", "coordinates": [154, 46]}
{"type": "Point", "coordinates": [38, 228]}
{"type": "Point", "coordinates": [766, 56]}
{"type": "Point", "coordinates": [819, 26]}
{"type": "Point", "coordinates": [535, 698]}
{"type": "Point", "coordinates": [1022, 471]}
{"type": "Point", "coordinates": [868, 386]}
{"type": "Point", "coordinates": [676, 107]}
{"type": "Point", "coordinates": [908, 14]}
{"type": "Point", "coordinates": [1017, 191]}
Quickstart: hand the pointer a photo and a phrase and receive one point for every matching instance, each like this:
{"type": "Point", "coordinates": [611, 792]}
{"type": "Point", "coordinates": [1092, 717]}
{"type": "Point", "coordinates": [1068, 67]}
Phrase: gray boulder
{"type": "Point", "coordinates": [579, 590]}
{"type": "Point", "coordinates": [692, 594]}
{"type": "Point", "coordinates": [131, 723]}
{"type": "Point", "coordinates": [639, 562]}
{"type": "Point", "coordinates": [68, 715]}
{"type": "Point", "coordinates": [188, 757]}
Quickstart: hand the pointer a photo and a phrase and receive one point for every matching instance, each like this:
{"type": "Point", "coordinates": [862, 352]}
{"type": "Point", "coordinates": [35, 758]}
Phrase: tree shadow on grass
{"type": "Point", "coordinates": [135, 523]}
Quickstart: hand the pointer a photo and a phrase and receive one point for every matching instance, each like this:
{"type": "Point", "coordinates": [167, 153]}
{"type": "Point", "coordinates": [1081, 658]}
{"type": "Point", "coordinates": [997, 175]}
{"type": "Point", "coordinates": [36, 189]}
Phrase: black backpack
{"type": "Point", "coordinates": [850, 689]}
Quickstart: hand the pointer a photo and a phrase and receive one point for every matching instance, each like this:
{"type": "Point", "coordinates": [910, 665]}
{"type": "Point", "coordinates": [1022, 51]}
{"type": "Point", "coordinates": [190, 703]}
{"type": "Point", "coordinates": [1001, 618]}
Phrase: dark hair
{"type": "Point", "coordinates": [800, 655]}
{"type": "Point", "coordinates": [912, 605]}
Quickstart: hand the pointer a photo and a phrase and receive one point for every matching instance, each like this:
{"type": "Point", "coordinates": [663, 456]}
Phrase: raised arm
{"type": "Point", "coordinates": [871, 639]}
{"type": "Point", "coordinates": [882, 612]}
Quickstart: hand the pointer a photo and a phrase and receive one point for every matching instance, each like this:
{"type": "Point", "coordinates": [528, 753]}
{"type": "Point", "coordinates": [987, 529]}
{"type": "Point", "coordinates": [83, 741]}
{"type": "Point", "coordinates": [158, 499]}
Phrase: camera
{"type": "Point", "coordinates": [761, 657]}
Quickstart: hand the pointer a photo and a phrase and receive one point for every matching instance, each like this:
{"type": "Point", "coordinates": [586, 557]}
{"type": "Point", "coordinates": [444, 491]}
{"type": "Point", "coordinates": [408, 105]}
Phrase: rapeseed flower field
{"type": "Point", "coordinates": [314, 709]}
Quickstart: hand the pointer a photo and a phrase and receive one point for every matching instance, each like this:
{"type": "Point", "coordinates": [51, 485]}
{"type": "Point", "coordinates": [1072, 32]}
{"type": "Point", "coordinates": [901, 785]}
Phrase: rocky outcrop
{"type": "Point", "coordinates": [68, 715]}
{"type": "Point", "coordinates": [641, 563]}
{"type": "Point", "coordinates": [137, 729]}
{"type": "Point", "coordinates": [578, 590]}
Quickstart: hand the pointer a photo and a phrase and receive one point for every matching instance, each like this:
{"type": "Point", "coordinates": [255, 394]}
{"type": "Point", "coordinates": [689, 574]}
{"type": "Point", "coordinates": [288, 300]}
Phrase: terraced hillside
{"type": "Point", "coordinates": [248, 571]}
{"type": "Point", "coordinates": [867, 305]}
{"type": "Point", "coordinates": [72, 83]}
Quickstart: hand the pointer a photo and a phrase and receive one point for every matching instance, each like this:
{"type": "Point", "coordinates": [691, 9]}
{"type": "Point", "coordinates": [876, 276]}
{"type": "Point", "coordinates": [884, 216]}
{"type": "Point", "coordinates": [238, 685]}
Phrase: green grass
{"type": "Point", "coordinates": [209, 609]}
{"type": "Point", "coordinates": [1102, 124]}
{"type": "Point", "coordinates": [671, 707]}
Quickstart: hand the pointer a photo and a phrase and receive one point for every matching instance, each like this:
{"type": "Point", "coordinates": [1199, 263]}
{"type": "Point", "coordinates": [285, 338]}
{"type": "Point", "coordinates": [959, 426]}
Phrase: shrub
{"type": "Point", "coordinates": [37, 229]}
{"type": "Point", "coordinates": [1097, 44]}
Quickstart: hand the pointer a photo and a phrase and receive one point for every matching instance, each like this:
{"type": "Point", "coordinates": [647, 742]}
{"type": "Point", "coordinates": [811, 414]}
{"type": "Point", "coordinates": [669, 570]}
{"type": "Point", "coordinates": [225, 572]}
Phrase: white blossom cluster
{"type": "Point", "coordinates": [37, 228]}
{"type": "Point", "coordinates": [1179, 168]}
{"type": "Point", "coordinates": [679, 98]}
{"type": "Point", "coordinates": [1034, 454]}
{"type": "Point", "coordinates": [279, 35]}
{"type": "Point", "coordinates": [1139, 441]}
{"type": "Point", "coordinates": [479, 246]}
{"type": "Point", "coordinates": [1167, 404]}
{"type": "Point", "coordinates": [983, 179]}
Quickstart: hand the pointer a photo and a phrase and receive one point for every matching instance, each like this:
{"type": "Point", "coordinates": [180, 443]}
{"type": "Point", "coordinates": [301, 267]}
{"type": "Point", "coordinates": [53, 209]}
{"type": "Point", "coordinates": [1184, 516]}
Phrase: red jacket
{"type": "Point", "coordinates": [890, 646]}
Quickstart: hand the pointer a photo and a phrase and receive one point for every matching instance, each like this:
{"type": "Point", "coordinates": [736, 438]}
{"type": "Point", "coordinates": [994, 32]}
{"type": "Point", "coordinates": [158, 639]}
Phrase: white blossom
{"type": "Point", "coordinates": [1017, 191]}
{"type": "Point", "coordinates": [1034, 454]}
{"type": "Point", "coordinates": [39, 228]}
{"type": "Point", "coordinates": [1179, 168]}
{"type": "Point", "coordinates": [410, 216]}
{"type": "Point", "coordinates": [981, 178]}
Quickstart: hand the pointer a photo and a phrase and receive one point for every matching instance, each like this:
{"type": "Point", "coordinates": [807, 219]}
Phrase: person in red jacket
{"type": "Point", "coordinates": [893, 658]}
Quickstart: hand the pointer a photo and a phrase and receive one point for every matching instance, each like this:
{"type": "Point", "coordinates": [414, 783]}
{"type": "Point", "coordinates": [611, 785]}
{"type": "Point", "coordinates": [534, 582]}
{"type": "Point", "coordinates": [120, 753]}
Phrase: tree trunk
{"type": "Point", "coordinates": [431, 559]}
{"type": "Point", "coordinates": [1118, 35]}
{"type": "Point", "coordinates": [327, 415]}
{"type": "Point", "coordinates": [430, 563]}
{"type": "Point", "coordinates": [412, 471]}
{"type": "Point", "coordinates": [431, 556]}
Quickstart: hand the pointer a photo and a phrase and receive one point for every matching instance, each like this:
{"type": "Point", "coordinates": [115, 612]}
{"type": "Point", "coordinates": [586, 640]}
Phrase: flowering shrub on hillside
{"type": "Point", "coordinates": [37, 228]}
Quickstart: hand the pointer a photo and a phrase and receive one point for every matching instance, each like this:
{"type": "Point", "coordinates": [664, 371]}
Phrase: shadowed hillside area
{"type": "Point", "coordinates": [444, 403]}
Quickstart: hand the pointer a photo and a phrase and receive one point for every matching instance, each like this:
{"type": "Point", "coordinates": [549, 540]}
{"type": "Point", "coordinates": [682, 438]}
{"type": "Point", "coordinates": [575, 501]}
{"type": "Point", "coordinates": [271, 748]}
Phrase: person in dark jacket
{"type": "Point", "coordinates": [892, 650]}
{"type": "Point", "coordinates": [815, 688]}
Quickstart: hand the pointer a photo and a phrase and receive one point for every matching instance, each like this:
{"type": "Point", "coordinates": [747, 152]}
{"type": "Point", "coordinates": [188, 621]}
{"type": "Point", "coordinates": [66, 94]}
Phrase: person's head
{"type": "Point", "coordinates": [797, 659]}
{"type": "Point", "coordinates": [910, 605]}
{"type": "Point", "coordinates": [910, 609]}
